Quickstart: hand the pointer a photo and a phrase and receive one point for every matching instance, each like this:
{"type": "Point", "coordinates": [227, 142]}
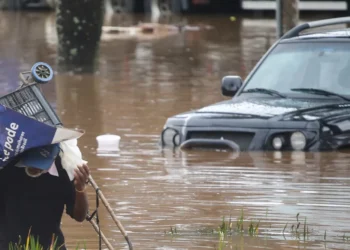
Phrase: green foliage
{"type": "Point", "coordinates": [298, 228]}
{"type": "Point", "coordinates": [32, 243]}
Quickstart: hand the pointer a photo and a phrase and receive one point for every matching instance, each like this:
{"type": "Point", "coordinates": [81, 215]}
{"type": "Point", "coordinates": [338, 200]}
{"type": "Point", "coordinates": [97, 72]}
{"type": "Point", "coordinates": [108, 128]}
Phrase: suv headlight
{"type": "Point", "coordinates": [298, 141]}
{"type": "Point", "coordinates": [291, 140]}
{"type": "Point", "coordinates": [170, 137]}
{"type": "Point", "coordinates": [278, 142]}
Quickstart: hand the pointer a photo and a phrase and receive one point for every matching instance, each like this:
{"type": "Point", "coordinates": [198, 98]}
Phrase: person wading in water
{"type": "Point", "coordinates": [34, 201]}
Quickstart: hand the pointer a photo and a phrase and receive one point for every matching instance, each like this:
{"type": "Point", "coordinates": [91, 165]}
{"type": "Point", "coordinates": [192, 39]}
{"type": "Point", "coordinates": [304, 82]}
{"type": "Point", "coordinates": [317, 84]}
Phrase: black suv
{"type": "Point", "coordinates": [297, 97]}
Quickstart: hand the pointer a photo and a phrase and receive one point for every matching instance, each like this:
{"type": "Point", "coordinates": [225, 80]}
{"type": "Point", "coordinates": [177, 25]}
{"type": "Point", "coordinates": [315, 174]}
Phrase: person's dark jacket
{"type": "Point", "coordinates": [34, 204]}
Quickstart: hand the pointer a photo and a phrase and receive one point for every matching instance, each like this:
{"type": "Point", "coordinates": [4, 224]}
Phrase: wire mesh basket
{"type": "Point", "coordinates": [29, 100]}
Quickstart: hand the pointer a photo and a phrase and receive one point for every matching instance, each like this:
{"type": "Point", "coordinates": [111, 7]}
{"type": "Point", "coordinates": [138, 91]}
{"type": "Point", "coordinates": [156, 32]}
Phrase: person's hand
{"type": "Point", "coordinates": [81, 175]}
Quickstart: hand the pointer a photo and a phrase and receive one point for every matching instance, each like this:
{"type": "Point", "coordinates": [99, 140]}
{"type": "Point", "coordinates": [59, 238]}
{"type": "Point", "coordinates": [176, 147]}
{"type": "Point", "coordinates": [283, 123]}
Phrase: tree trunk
{"type": "Point", "coordinates": [79, 25]}
{"type": "Point", "coordinates": [287, 15]}
{"type": "Point", "coordinates": [348, 11]}
{"type": "Point", "coordinates": [290, 14]}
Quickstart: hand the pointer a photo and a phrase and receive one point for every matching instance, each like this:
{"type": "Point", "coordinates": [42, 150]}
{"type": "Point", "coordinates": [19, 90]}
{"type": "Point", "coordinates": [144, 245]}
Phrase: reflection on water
{"type": "Point", "coordinates": [139, 83]}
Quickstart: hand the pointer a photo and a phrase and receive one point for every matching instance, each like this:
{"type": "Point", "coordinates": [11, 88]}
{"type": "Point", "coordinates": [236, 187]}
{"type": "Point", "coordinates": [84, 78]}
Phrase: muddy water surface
{"type": "Point", "coordinates": [139, 83]}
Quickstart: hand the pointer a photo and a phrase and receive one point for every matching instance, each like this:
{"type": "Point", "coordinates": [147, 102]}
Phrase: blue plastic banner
{"type": "Point", "coordinates": [37, 142]}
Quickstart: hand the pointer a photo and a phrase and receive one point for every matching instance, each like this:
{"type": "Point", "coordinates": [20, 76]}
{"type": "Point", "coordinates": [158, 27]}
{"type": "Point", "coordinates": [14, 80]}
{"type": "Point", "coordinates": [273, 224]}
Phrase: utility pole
{"type": "Point", "coordinates": [79, 27]}
{"type": "Point", "coordinates": [287, 15]}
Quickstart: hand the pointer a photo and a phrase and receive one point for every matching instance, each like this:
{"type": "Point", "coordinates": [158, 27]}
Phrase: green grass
{"type": "Point", "coordinates": [250, 228]}
{"type": "Point", "coordinates": [32, 243]}
{"type": "Point", "coordinates": [297, 228]}
{"type": "Point", "coordinates": [243, 226]}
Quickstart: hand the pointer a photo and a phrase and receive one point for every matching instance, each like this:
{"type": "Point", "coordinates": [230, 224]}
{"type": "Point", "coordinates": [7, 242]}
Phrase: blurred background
{"type": "Point", "coordinates": [123, 67]}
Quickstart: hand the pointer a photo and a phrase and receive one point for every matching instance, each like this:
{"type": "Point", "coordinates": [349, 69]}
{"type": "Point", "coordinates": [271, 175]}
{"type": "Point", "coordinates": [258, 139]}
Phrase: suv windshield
{"type": "Point", "coordinates": [316, 65]}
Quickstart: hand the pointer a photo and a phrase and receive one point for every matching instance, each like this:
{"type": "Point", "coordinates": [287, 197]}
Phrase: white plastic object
{"type": "Point", "coordinates": [108, 142]}
{"type": "Point", "coordinates": [71, 156]}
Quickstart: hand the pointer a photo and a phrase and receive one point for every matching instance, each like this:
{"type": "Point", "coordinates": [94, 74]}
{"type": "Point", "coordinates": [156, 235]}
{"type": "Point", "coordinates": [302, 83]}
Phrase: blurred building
{"type": "Point", "coordinates": [193, 6]}
{"type": "Point", "coordinates": [233, 6]}
{"type": "Point", "coordinates": [304, 5]}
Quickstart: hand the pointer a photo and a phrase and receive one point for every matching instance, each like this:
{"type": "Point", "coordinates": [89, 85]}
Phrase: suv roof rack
{"type": "Point", "coordinates": [314, 24]}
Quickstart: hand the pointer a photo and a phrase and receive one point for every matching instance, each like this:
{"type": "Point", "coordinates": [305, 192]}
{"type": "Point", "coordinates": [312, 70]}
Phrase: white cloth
{"type": "Point", "coordinates": [53, 170]}
{"type": "Point", "coordinates": [71, 156]}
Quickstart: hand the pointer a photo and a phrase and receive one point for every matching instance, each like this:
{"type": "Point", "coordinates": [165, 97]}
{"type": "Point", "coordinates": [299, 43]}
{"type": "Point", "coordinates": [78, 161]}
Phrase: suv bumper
{"type": "Point", "coordinates": [247, 139]}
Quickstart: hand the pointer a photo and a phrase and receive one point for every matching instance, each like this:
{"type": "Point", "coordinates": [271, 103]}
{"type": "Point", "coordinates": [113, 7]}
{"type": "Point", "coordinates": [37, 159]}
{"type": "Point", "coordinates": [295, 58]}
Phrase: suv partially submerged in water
{"type": "Point", "coordinates": [297, 97]}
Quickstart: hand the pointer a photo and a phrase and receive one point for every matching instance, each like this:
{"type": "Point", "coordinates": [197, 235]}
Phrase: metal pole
{"type": "Point", "coordinates": [279, 25]}
{"type": "Point", "coordinates": [110, 210]}
{"type": "Point", "coordinates": [104, 238]}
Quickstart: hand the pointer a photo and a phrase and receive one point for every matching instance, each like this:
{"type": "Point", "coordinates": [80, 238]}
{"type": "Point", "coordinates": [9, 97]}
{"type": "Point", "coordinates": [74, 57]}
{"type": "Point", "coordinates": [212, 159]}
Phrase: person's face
{"type": "Point", "coordinates": [34, 171]}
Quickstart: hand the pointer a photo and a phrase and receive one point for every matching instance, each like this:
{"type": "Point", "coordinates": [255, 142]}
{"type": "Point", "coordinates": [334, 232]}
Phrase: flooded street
{"type": "Point", "coordinates": [141, 82]}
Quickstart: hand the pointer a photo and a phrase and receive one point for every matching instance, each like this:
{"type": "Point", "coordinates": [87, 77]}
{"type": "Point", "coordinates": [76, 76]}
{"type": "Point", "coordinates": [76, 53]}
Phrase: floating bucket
{"type": "Point", "coordinates": [108, 143]}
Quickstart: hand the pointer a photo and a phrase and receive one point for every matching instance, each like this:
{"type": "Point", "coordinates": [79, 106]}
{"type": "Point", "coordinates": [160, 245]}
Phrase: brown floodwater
{"type": "Point", "coordinates": [139, 83]}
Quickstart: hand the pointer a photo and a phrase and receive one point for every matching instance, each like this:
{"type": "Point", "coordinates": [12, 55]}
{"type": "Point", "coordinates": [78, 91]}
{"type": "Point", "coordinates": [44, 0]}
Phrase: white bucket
{"type": "Point", "coordinates": [108, 143]}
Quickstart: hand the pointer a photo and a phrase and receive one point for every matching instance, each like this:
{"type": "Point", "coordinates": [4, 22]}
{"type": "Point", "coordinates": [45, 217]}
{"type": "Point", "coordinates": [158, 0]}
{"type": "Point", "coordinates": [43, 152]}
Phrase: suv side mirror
{"type": "Point", "coordinates": [230, 85]}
